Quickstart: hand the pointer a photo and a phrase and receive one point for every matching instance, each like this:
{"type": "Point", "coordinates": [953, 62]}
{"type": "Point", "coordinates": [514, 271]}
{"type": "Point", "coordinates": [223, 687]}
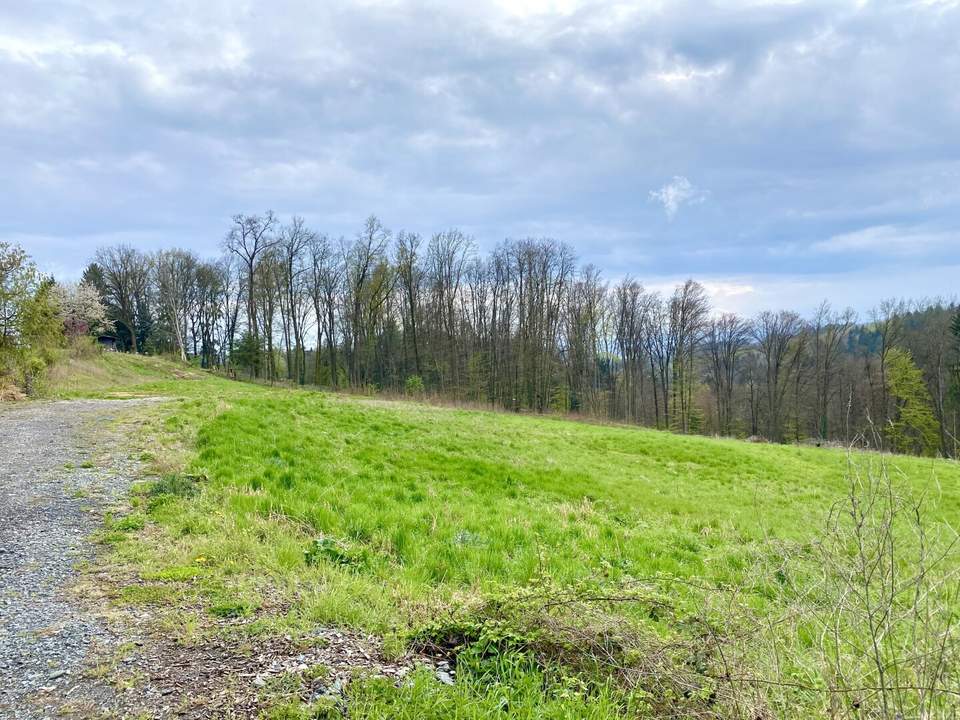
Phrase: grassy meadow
{"type": "Point", "coordinates": [564, 566]}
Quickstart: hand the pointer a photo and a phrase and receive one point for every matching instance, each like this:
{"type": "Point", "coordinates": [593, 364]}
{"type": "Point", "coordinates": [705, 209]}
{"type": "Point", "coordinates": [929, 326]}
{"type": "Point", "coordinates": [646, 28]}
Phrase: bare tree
{"type": "Point", "coordinates": [369, 281]}
{"type": "Point", "coordinates": [525, 329]}
{"type": "Point", "coordinates": [584, 317]}
{"type": "Point", "coordinates": [126, 275]}
{"type": "Point", "coordinates": [726, 338]}
{"type": "Point", "coordinates": [689, 310]}
{"type": "Point", "coordinates": [777, 337]}
{"type": "Point", "coordinates": [410, 276]}
{"type": "Point", "coordinates": [176, 287]}
{"type": "Point", "coordinates": [211, 308]}
{"type": "Point", "coordinates": [248, 239]}
{"type": "Point", "coordinates": [326, 278]}
{"type": "Point", "coordinates": [447, 255]}
{"type": "Point", "coordinates": [633, 318]}
{"type": "Point", "coordinates": [887, 320]}
{"type": "Point", "coordinates": [829, 330]}
{"type": "Point", "coordinates": [266, 298]}
{"type": "Point", "coordinates": [234, 290]}
{"type": "Point", "coordinates": [293, 242]}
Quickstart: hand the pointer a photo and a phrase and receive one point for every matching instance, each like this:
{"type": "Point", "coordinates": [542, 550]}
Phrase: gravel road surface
{"type": "Point", "coordinates": [56, 479]}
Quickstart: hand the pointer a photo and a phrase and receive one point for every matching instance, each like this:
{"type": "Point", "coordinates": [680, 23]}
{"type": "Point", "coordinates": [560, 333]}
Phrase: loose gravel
{"type": "Point", "coordinates": [56, 480]}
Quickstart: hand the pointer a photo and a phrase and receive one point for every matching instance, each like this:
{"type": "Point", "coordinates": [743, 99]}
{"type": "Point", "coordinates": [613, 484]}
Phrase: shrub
{"type": "Point", "coordinates": [247, 354]}
{"type": "Point", "coordinates": [31, 330]}
{"type": "Point", "coordinates": [414, 386]}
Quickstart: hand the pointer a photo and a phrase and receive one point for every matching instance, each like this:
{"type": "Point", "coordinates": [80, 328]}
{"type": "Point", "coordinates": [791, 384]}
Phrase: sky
{"type": "Point", "coordinates": [781, 153]}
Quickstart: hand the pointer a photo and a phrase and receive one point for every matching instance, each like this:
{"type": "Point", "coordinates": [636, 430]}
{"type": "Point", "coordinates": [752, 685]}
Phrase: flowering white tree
{"type": "Point", "coordinates": [82, 310]}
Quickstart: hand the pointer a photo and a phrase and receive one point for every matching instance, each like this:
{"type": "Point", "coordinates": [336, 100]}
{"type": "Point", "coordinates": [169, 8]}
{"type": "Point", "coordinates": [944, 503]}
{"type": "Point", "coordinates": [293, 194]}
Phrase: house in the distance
{"type": "Point", "coordinates": [107, 342]}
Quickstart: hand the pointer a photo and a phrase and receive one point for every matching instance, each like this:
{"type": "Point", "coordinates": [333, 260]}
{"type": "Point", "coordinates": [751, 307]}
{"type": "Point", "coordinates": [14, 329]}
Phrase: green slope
{"type": "Point", "coordinates": [386, 516]}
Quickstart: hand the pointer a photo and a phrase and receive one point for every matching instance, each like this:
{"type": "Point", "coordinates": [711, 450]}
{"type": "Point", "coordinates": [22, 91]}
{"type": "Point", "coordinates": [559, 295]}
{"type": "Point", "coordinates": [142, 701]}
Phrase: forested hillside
{"type": "Point", "coordinates": [520, 328]}
{"type": "Point", "coordinates": [525, 328]}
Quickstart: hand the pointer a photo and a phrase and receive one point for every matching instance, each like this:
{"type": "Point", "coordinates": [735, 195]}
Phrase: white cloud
{"type": "Point", "coordinates": [528, 8]}
{"type": "Point", "coordinates": [887, 240]}
{"type": "Point", "coordinates": [747, 295]}
{"type": "Point", "coordinates": [677, 193]}
{"type": "Point", "coordinates": [685, 74]}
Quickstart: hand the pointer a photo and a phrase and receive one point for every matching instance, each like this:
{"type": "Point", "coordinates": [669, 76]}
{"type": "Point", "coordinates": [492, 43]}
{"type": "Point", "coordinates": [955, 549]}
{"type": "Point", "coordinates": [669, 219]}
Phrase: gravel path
{"type": "Point", "coordinates": [53, 492]}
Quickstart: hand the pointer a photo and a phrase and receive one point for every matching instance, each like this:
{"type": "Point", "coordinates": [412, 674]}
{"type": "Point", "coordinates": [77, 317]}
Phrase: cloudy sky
{"type": "Point", "coordinates": [780, 152]}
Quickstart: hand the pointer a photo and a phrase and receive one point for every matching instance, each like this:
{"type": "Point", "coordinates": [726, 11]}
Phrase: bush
{"type": "Point", "coordinates": [31, 331]}
{"type": "Point", "coordinates": [247, 354]}
{"type": "Point", "coordinates": [414, 386]}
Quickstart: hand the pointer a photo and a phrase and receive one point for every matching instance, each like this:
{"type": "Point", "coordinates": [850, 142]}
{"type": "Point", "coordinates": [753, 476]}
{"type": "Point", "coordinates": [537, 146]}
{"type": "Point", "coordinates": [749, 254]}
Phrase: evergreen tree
{"type": "Point", "coordinates": [913, 428]}
{"type": "Point", "coordinates": [93, 276]}
{"type": "Point", "coordinates": [247, 354]}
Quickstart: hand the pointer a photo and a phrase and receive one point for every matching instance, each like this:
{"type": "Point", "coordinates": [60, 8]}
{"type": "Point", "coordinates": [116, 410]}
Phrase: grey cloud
{"type": "Point", "coordinates": [806, 121]}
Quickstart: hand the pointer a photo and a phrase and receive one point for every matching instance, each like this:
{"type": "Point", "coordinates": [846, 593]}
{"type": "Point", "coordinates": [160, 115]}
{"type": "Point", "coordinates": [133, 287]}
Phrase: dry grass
{"type": "Point", "coordinates": [9, 392]}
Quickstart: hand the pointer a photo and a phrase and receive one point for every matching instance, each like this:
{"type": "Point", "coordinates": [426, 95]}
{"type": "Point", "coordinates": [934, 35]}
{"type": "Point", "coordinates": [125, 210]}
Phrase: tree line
{"type": "Point", "coordinates": [525, 328]}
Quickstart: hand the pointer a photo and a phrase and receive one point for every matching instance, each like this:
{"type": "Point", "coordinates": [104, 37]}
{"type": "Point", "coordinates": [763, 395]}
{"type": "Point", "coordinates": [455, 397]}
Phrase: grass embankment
{"type": "Point", "coordinates": [483, 534]}
{"type": "Point", "coordinates": [117, 375]}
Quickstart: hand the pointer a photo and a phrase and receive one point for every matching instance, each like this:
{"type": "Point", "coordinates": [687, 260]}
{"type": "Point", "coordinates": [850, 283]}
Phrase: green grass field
{"type": "Point", "coordinates": [422, 524]}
